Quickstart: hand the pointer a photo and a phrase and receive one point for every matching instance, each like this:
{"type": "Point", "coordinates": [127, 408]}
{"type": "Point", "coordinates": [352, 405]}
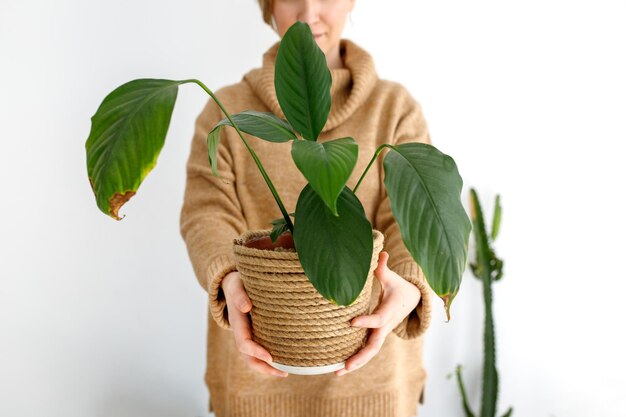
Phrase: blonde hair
{"type": "Point", "coordinates": [266, 10]}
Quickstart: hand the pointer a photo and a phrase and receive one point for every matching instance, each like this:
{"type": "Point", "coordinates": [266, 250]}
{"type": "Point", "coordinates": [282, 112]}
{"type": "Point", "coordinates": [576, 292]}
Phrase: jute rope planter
{"type": "Point", "coordinates": [290, 318]}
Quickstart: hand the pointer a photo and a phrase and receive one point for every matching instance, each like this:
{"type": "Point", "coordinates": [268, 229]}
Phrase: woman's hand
{"type": "Point", "coordinates": [397, 300]}
{"type": "Point", "coordinates": [239, 304]}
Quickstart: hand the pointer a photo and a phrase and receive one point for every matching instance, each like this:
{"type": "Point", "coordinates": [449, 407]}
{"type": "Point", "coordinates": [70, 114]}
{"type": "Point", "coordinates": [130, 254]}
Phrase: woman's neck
{"type": "Point", "coordinates": [333, 58]}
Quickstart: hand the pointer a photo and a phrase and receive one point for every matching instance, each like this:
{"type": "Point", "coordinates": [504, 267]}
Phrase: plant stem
{"type": "Point", "coordinates": [459, 379]}
{"type": "Point", "coordinates": [490, 373]}
{"type": "Point", "coordinates": [378, 151]}
{"type": "Point", "coordinates": [484, 255]}
{"type": "Point", "coordinates": [254, 155]}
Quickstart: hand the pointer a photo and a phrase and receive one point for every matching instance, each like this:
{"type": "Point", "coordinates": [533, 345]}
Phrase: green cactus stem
{"type": "Point", "coordinates": [487, 268]}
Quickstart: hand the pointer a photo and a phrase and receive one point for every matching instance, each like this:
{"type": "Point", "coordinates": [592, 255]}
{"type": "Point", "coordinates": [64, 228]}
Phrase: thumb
{"type": "Point", "coordinates": [243, 301]}
{"type": "Point", "coordinates": [381, 269]}
{"type": "Point", "coordinates": [239, 295]}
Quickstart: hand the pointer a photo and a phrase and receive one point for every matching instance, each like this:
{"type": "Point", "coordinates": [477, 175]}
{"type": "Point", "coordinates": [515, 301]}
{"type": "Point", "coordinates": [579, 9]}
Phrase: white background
{"type": "Point", "coordinates": [99, 318]}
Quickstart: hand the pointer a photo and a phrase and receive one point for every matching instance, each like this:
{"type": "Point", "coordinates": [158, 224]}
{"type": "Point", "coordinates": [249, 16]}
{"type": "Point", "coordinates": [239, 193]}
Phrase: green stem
{"type": "Point", "coordinates": [254, 155]}
{"type": "Point", "coordinates": [378, 151]}
{"type": "Point", "coordinates": [490, 373]}
{"type": "Point", "coordinates": [459, 379]}
{"type": "Point", "coordinates": [484, 254]}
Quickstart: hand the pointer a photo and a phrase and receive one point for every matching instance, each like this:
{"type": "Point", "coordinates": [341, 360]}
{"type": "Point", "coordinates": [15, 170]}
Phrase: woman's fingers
{"type": "Point", "coordinates": [379, 321]}
{"type": "Point", "coordinates": [382, 320]}
{"type": "Point", "coordinates": [381, 270]}
{"type": "Point", "coordinates": [242, 300]}
{"type": "Point", "coordinates": [386, 309]}
{"type": "Point", "coordinates": [251, 348]}
{"type": "Point", "coordinates": [240, 324]}
{"type": "Point", "coordinates": [381, 316]}
{"type": "Point", "coordinates": [372, 347]}
{"type": "Point", "coordinates": [259, 365]}
{"type": "Point", "coordinates": [234, 289]}
{"type": "Point", "coordinates": [254, 354]}
{"type": "Point", "coordinates": [238, 304]}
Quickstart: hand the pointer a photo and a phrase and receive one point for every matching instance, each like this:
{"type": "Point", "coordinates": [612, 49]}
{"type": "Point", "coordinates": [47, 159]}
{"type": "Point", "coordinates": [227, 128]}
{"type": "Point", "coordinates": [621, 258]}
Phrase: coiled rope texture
{"type": "Point", "coordinates": [290, 318]}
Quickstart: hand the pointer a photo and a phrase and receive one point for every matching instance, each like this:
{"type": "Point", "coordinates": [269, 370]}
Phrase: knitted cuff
{"type": "Point", "coordinates": [416, 323]}
{"type": "Point", "coordinates": [216, 271]}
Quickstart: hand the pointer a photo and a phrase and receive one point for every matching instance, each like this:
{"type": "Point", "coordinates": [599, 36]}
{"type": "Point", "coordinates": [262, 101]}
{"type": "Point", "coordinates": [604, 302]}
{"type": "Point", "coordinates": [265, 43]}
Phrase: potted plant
{"type": "Point", "coordinates": [487, 267]}
{"type": "Point", "coordinates": [128, 131]}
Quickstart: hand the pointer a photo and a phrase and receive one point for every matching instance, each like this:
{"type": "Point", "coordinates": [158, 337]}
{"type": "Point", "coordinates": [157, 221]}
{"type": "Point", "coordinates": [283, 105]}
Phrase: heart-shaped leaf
{"type": "Point", "coordinates": [326, 166]}
{"type": "Point", "coordinates": [302, 81]}
{"type": "Point", "coordinates": [335, 251]}
{"type": "Point", "coordinates": [127, 133]}
{"type": "Point", "coordinates": [424, 189]}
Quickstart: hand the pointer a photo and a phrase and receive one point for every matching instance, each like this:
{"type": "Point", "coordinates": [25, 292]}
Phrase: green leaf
{"type": "Point", "coordinates": [497, 215]}
{"type": "Point", "coordinates": [302, 81]}
{"type": "Point", "coordinates": [335, 251]}
{"type": "Point", "coordinates": [212, 141]}
{"type": "Point", "coordinates": [279, 226]}
{"type": "Point", "coordinates": [277, 230]}
{"type": "Point", "coordinates": [424, 189]}
{"type": "Point", "coordinates": [127, 134]}
{"type": "Point", "coordinates": [264, 125]}
{"type": "Point", "coordinates": [326, 166]}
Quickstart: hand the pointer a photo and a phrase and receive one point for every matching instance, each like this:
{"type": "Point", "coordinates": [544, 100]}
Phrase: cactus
{"type": "Point", "coordinates": [487, 268]}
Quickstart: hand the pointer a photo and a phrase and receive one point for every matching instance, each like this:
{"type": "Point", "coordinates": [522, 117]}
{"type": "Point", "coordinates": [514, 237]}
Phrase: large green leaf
{"type": "Point", "coordinates": [335, 251]}
{"type": "Point", "coordinates": [424, 189]}
{"type": "Point", "coordinates": [127, 134]}
{"type": "Point", "coordinates": [326, 166]}
{"type": "Point", "coordinates": [264, 125]}
{"type": "Point", "coordinates": [302, 81]}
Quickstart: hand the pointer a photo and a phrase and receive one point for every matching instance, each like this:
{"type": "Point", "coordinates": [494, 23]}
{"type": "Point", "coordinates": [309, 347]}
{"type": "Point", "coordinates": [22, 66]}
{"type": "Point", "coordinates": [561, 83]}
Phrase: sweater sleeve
{"type": "Point", "coordinates": [411, 127]}
{"type": "Point", "coordinates": [211, 215]}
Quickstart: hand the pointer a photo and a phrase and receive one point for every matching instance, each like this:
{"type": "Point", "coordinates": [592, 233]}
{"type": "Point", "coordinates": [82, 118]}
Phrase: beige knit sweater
{"type": "Point", "coordinates": [216, 210]}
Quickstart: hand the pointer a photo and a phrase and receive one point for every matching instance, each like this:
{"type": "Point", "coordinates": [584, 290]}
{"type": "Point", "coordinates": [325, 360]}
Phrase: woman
{"type": "Point", "coordinates": [385, 378]}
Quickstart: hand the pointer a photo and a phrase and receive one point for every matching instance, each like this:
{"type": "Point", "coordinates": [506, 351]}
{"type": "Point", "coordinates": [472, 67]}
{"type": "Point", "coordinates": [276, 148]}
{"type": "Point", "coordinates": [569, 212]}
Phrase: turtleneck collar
{"type": "Point", "coordinates": [351, 85]}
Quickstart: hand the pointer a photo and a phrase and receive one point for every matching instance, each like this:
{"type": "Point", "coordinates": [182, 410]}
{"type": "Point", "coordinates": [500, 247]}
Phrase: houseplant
{"type": "Point", "coordinates": [487, 268]}
{"type": "Point", "coordinates": [423, 184]}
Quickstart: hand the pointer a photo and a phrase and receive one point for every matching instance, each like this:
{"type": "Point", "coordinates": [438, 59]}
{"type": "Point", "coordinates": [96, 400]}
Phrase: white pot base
{"type": "Point", "coordinates": [308, 370]}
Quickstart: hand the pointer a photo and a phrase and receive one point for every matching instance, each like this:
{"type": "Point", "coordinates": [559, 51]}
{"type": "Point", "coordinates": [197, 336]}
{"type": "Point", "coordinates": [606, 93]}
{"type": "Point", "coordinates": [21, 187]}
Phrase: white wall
{"type": "Point", "coordinates": [99, 318]}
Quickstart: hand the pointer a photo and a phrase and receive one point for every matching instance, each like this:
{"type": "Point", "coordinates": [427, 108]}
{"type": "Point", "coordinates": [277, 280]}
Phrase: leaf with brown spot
{"type": "Point", "coordinates": [117, 201]}
{"type": "Point", "coordinates": [127, 134]}
{"type": "Point", "coordinates": [447, 302]}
